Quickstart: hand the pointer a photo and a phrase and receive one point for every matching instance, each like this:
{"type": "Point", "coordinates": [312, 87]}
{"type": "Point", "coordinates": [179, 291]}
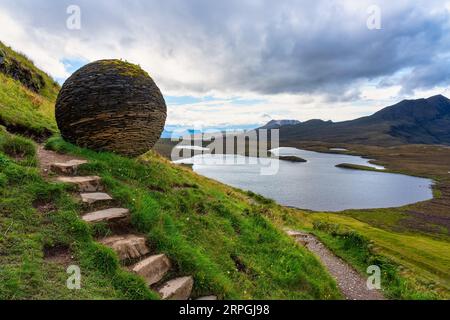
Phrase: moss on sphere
{"type": "Point", "coordinates": [111, 105]}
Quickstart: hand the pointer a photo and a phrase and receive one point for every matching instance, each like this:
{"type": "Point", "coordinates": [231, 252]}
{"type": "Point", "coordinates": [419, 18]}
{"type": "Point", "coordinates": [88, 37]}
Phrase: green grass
{"type": "Point", "coordinates": [231, 241]}
{"type": "Point", "coordinates": [22, 108]}
{"type": "Point", "coordinates": [50, 87]}
{"type": "Point", "coordinates": [211, 231]}
{"type": "Point", "coordinates": [222, 236]}
{"type": "Point", "coordinates": [27, 232]}
{"type": "Point", "coordinates": [421, 263]}
{"type": "Point", "coordinates": [384, 218]}
{"type": "Point", "coordinates": [125, 68]}
{"type": "Point", "coordinates": [17, 147]}
{"type": "Point", "coordinates": [208, 230]}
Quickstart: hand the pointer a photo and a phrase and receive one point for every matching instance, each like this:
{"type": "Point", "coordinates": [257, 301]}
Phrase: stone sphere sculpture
{"type": "Point", "coordinates": [111, 105]}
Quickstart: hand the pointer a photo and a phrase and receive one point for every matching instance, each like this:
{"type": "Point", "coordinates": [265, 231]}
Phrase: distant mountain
{"type": "Point", "coordinates": [275, 124]}
{"type": "Point", "coordinates": [425, 121]}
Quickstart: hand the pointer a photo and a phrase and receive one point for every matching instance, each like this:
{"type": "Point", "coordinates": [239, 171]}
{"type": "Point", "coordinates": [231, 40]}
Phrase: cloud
{"type": "Point", "coordinates": [428, 76]}
{"type": "Point", "coordinates": [318, 51]}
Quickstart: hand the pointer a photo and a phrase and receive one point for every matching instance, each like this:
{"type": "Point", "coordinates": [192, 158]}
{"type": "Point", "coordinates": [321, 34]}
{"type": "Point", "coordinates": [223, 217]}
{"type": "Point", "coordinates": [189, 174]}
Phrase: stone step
{"type": "Point", "coordinates": [95, 198]}
{"type": "Point", "coordinates": [127, 246]}
{"type": "Point", "coordinates": [177, 289]}
{"type": "Point", "coordinates": [67, 168]}
{"type": "Point", "coordinates": [153, 268]}
{"type": "Point", "coordinates": [84, 184]}
{"type": "Point", "coordinates": [207, 298]}
{"type": "Point", "coordinates": [293, 233]}
{"type": "Point", "coordinates": [108, 215]}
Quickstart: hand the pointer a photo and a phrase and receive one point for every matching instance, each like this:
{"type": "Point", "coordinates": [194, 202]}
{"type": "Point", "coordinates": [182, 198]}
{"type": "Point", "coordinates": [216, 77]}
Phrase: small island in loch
{"type": "Point", "coordinates": [292, 159]}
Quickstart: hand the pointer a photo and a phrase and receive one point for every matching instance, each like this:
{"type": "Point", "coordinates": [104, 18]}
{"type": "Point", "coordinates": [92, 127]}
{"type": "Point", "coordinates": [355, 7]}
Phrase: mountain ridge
{"type": "Point", "coordinates": [274, 124]}
{"type": "Point", "coordinates": [420, 121]}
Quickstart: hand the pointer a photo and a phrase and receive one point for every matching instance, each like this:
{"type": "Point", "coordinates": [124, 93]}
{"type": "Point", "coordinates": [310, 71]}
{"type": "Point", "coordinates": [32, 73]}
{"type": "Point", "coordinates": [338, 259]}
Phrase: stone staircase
{"type": "Point", "coordinates": [131, 249]}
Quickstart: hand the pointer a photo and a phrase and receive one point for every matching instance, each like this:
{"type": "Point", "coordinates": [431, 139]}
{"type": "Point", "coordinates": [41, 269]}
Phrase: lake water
{"type": "Point", "coordinates": [317, 184]}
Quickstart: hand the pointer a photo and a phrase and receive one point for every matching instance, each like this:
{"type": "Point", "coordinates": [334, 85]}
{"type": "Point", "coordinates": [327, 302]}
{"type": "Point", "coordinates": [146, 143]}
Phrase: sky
{"type": "Point", "coordinates": [240, 63]}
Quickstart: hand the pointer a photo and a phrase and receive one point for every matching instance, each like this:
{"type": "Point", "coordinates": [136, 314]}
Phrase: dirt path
{"type": "Point", "coordinates": [131, 248]}
{"type": "Point", "coordinates": [48, 157]}
{"type": "Point", "coordinates": [352, 285]}
{"type": "Point", "coordinates": [350, 282]}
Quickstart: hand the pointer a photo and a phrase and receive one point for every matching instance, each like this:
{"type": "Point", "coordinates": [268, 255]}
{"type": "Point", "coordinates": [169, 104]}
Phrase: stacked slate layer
{"type": "Point", "coordinates": [111, 105]}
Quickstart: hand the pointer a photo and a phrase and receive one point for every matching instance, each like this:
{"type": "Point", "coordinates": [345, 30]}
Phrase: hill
{"type": "Point", "coordinates": [422, 121]}
{"type": "Point", "coordinates": [229, 240]}
{"type": "Point", "coordinates": [275, 124]}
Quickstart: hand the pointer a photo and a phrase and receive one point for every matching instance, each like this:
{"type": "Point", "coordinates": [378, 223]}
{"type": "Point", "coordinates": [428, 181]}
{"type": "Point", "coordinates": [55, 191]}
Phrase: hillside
{"type": "Point", "coordinates": [422, 121]}
{"type": "Point", "coordinates": [227, 239]}
{"type": "Point", "coordinates": [27, 96]}
{"type": "Point", "coordinates": [231, 241]}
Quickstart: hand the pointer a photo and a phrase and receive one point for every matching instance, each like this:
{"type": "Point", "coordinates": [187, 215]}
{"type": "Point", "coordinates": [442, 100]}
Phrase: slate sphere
{"type": "Point", "coordinates": [111, 105]}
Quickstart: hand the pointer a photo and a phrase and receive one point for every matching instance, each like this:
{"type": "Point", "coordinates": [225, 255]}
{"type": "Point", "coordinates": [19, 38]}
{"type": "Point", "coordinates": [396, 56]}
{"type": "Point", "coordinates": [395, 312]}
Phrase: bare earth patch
{"type": "Point", "coordinates": [48, 157]}
{"type": "Point", "coordinates": [44, 207]}
{"type": "Point", "coordinates": [58, 254]}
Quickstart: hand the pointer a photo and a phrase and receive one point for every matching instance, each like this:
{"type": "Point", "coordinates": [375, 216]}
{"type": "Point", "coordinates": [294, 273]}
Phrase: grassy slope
{"type": "Point", "coordinates": [219, 234]}
{"type": "Point", "coordinates": [414, 237]}
{"type": "Point", "coordinates": [218, 217]}
{"type": "Point", "coordinates": [22, 107]}
{"type": "Point", "coordinates": [36, 216]}
{"type": "Point", "coordinates": [425, 261]}
{"type": "Point", "coordinates": [213, 232]}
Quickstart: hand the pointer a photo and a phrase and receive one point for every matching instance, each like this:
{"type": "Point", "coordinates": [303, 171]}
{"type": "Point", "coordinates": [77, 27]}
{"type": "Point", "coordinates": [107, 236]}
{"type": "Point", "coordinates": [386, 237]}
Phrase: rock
{"type": "Point", "coordinates": [304, 243]}
{"type": "Point", "coordinates": [95, 198]}
{"type": "Point", "coordinates": [84, 184]}
{"type": "Point", "coordinates": [127, 246]}
{"type": "Point", "coordinates": [292, 158]}
{"type": "Point", "coordinates": [153, 268]}
{"type": "Point", "coordinates": [111, 105]}
{"type": "Point", "coordinates": [108, 215]}
{"type": "Point", "coordinates": [177, 289]}
{"type": "Point", "coordinates": [293, 233]}
{"type": "Point", "coordinates": [68, 168]}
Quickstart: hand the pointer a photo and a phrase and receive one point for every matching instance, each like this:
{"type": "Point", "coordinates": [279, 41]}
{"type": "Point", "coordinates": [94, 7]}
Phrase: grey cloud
{"type": "Point", "coordinates": [436, 73]}
{"type": "Point", "coordinates": [271, 47]}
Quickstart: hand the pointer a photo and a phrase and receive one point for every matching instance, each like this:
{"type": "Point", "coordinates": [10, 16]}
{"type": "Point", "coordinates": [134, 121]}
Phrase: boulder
{"type": "Point", "coordinates": [111, 105]}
